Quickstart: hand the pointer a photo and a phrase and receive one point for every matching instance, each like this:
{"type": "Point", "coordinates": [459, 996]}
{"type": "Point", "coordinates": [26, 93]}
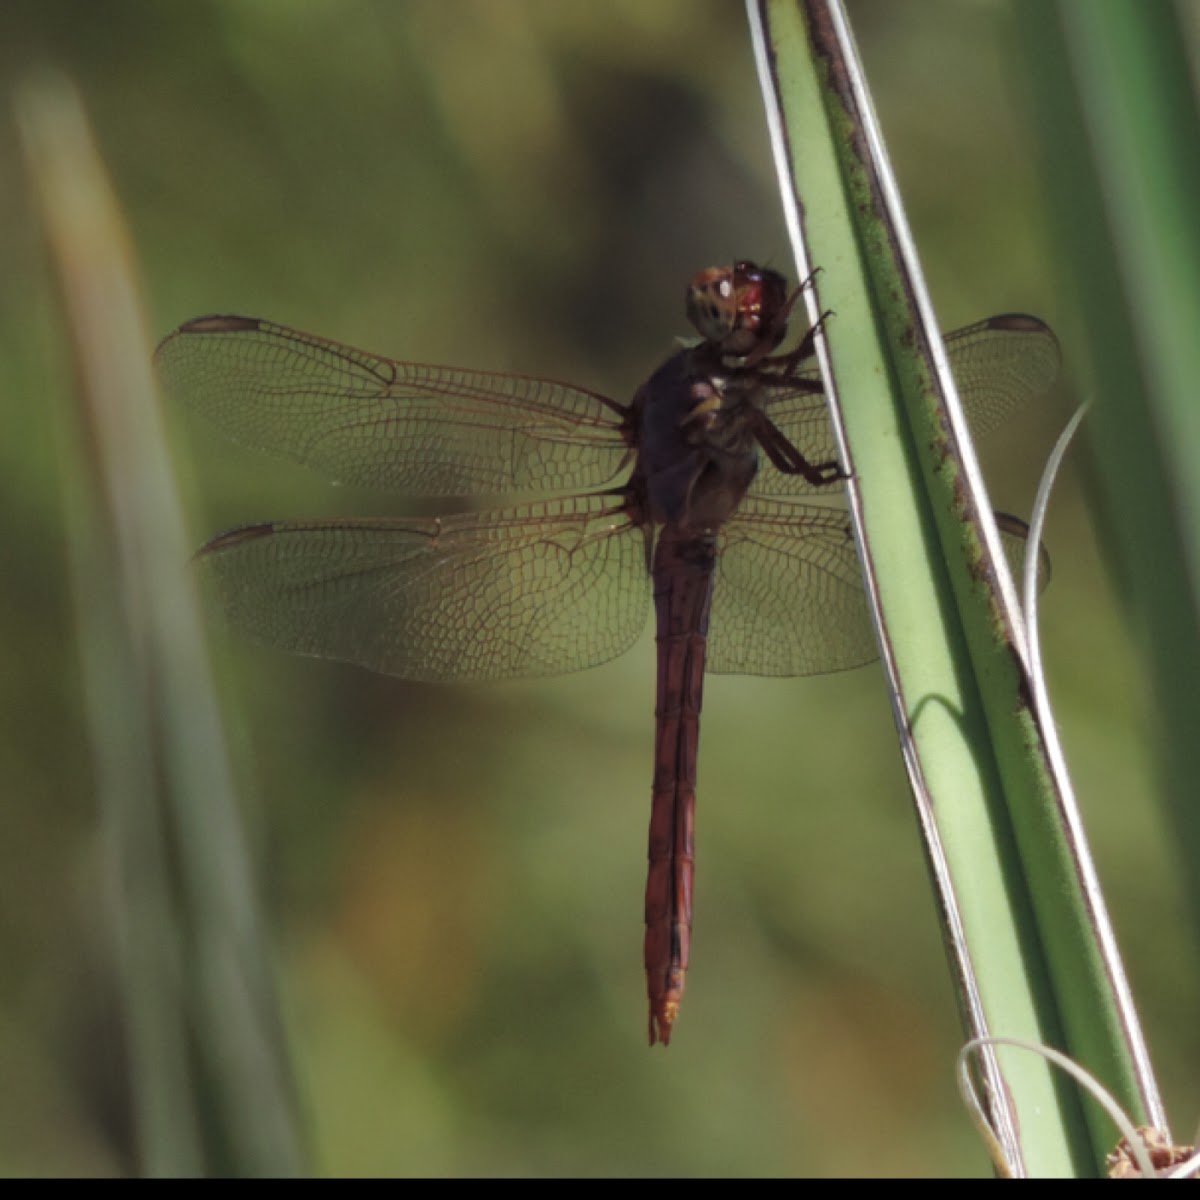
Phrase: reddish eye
{"type": "Point", "coordinates": [739, 309]}
{"type": "Point", "coordinates": [711, 304]}
{"type": "Point", "coordinates": [766, 291]}
{"type": "Point", "coordinates": [750, 300]}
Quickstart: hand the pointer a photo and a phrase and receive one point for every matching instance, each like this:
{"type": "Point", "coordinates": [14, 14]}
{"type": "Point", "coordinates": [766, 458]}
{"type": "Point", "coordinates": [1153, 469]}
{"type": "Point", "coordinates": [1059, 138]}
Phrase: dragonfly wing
{"type": "Point", "coordinates": [999, 364]}
{"type": "Point", "coordinates": [1014, 541]}
{"type": "Point", "coordinates": [788, 598]}
{"type": "Point", "coordinates": [503, 594]}
{"type": "Point", "coordinates": [363, 419]}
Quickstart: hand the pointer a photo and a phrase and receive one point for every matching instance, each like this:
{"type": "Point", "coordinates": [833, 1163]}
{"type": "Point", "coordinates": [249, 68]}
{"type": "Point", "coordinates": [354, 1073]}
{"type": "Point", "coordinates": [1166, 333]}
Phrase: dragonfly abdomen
{"type": "Point", "coordinates": [683, 581]}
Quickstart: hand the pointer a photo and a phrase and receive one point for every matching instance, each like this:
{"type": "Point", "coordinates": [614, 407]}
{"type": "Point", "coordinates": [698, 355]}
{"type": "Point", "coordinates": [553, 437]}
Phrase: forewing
{"type": "Point", "coordinates": [509, 593]}
{"type": "Point", "coordinates": [999, 365]}
{"type": "Point", "coordinates": [363, 419]}
{"type": "Point", "coordinates": [788, 598]}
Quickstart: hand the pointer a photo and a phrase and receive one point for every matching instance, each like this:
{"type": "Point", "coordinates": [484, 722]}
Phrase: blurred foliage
{"type": "Point", "coordinates": [455, 875]}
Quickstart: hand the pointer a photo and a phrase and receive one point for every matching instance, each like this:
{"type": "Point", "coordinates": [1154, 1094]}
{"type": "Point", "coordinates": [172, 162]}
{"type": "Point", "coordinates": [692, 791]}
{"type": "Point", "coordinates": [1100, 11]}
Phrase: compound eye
{"type": "Point", "coordinates": [712, 304]}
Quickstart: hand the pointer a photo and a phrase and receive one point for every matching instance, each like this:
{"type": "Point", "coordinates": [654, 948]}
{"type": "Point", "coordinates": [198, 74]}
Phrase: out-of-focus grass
{"type": "Point", "coordinates": [456, 875]}
{"type": "Point", "coordinates": [1115, 87]}
{"type": "Point", "coordinates": [209, 1078]}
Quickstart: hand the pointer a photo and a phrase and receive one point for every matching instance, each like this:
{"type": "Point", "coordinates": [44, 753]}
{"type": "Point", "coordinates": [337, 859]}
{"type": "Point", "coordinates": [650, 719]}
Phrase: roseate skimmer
{"type": "Point", "coordinates": [684, 495]}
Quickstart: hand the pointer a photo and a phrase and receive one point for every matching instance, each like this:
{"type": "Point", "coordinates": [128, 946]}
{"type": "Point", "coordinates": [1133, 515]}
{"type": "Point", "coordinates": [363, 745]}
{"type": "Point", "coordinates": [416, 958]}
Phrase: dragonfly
{"type": "Point", "coordinates": [584, 512]}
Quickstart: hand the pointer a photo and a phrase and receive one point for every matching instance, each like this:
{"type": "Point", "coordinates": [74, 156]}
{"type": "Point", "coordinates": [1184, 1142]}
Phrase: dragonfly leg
{"type": "Point", "coordinates": [788, 459]}
{"type": "Point", "coordinates": [783, 366]}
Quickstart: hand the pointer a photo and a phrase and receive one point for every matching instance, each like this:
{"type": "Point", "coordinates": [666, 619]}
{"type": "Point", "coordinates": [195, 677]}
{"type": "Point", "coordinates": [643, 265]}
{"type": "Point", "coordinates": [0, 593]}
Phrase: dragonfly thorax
{"type": "Point", "coordinates": [696, 450]}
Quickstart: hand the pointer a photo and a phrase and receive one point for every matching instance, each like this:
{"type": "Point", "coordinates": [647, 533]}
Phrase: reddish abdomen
{"type": "Point", "coordinates": [683, 582]}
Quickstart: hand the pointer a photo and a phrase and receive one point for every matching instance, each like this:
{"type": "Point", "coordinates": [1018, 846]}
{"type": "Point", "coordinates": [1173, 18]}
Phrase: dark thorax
{"type": "Point", "coordinates": [696, 446]}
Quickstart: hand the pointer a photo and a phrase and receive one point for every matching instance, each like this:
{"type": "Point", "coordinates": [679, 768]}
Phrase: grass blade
{"type": "Point", "coordinates": [210, 1079]}
{"type": "Point", "coordinates": [1030, 943]}
{"type": "Point", "coordinates": [1119, 115]}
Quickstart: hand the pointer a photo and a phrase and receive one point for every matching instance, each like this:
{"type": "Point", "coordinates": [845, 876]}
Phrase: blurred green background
{"type": "Point", "coordinates": [454, 876]}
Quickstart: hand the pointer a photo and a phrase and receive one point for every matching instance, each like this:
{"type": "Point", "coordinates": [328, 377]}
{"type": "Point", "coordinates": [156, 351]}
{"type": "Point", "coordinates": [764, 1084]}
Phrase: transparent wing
{"type": "Point", "coordinates": [364, 419]}
{"type": "Point", "coordinates": [1014, 541]}
{"type": "Point", "coordinates": [509, 593]}
{"type": "Point", "coordinates": [788, 598]}
{"type": "Point", "coordinates": [999, 364]}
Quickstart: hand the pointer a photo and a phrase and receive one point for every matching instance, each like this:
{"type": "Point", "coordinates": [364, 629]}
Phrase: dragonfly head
{"type": "Point", "coordinates": [741, 310]}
